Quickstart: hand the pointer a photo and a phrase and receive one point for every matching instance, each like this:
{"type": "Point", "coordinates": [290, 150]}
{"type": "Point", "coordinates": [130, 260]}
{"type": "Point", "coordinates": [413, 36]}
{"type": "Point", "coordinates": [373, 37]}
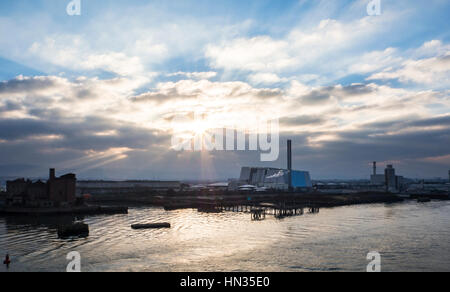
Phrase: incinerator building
{"type": "Point", "coordinates": [275, 178]}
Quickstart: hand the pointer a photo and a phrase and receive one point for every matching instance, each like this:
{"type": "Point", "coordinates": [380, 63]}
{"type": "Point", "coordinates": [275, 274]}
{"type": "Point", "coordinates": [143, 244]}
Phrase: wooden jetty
{"type": "Point", "coordinates": [279, 210]}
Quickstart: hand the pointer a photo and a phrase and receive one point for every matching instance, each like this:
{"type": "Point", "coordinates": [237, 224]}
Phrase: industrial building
{"type": "Point", "coordinates": [389, 179]}
{"type": "Point", "coordinates": [124, 187]}
{"type": "Point", "coordinates": [56, 191]}
{"type": "Point", "coordinates": [377, 179]}
{"type": "Point", "coordinates": [276, 178]}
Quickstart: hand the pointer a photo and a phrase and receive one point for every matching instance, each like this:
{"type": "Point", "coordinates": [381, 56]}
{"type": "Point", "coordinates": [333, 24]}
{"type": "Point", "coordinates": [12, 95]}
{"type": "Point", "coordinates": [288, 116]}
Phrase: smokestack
{"type": "Point", "coordinates": [52, 173]}
{"type": "Point", "coordinates": [374, 168]}
{"type": "Point", "coordinates": [289, 161]}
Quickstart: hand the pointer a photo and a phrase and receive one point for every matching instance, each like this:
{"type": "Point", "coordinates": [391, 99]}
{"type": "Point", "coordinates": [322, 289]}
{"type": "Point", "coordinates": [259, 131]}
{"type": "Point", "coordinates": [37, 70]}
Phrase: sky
{"type": "Point", "coordinates": [102, 94]}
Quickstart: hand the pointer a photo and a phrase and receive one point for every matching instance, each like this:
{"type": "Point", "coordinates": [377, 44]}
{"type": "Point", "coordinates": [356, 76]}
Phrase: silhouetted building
{"type": "Point", "coordinates": [394, 182]}
{"type": "Point", "coordinates": [62, 189]}
{"type": "Point", "coordinates": [17, 187]}
{"type": "Point", "coordinates": [391, 181]}
{"type": "Point", "coordinates": [57, 191]}
{"type": "Point", "coordinates": [377, 179]}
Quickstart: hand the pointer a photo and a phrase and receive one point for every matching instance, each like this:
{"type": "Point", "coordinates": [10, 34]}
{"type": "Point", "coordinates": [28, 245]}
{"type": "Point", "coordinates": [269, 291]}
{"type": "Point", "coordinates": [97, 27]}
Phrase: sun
{"type": "Point", "coordinates": [200, 128]}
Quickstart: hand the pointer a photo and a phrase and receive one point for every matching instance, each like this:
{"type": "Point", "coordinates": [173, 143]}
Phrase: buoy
{"type": "Point", "coordinates": [7, 261]}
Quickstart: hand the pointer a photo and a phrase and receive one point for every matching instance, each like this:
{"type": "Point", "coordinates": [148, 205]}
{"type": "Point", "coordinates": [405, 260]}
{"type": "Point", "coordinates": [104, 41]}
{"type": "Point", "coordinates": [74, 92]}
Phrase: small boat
{"type": "Point", "coordinates": [423, 200]}
{"type": "Point", "coordinates": [77, 229]}
{"type": "Point", "coordinates": [151, 226]}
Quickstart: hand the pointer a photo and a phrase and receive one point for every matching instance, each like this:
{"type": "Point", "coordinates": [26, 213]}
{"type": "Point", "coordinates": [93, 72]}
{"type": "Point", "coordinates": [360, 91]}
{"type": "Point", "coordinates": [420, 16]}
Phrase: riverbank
{"type": "Point", "coordinates": [205, 201]}
{"type": "Point", "coordinates": [335, 239]}
{"type": "Point", "coordinates": [74, 210]}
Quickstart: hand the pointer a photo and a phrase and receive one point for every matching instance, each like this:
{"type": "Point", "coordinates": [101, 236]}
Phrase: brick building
{"type": "Point", "coordinates": [56, 191]}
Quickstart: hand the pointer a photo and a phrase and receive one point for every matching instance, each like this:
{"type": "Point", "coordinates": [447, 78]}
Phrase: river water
{"type": "Point", "coordinates": [409, 236]}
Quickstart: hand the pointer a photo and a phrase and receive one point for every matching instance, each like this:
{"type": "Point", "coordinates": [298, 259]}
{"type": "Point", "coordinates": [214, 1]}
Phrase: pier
{"type": "Point", "coordinates": [281, 210]}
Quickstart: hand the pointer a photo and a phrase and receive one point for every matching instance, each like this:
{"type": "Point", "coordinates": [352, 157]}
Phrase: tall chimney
{"type": "Point", "coordinates": [289, 161]}
{"type": "Point", "coordinates": [374, 168]}
{"type": "Point", "coordinates": [52, 173]}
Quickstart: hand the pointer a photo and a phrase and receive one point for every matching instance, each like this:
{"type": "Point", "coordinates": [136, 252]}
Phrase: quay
{"type": "Point", "coordinates": [278, 201]}
{"type": "Point", "coordinates": [75, 210]}
{"type": "Point", "coordinates": [56, 196]}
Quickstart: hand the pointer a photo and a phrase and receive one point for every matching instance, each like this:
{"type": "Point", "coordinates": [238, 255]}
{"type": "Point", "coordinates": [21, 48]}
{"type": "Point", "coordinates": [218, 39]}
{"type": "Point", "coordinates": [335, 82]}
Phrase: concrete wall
{"type": "Point", "coordinates": [124, 187]}
{"type": "Point", "coordinates": [128, 184]}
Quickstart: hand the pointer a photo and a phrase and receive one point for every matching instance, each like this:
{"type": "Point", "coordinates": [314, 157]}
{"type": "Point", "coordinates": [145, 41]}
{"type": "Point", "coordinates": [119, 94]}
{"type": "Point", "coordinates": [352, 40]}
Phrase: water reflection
{"type": "Point", "coordinates": [409, 236]}
{"type": "Point", "coordinates": [51, 224]}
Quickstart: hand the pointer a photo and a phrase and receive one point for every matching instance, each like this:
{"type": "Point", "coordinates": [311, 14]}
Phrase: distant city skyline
{"type": "Point", "coordinates": [96, 94]}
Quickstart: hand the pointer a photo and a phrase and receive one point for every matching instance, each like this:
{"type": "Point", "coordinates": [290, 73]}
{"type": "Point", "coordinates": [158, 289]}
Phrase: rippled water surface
{"type": "Point", "coordinates": [409, 236]}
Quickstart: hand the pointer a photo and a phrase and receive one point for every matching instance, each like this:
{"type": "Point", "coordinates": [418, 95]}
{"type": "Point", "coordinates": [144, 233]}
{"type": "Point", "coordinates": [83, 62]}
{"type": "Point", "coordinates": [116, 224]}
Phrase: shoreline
{"type": "Point", "coordinates": [119, 203]}
{"type": "Point", "coordinates": [198, 201]}
{"type": "Point", "coordinates": [77, 210]}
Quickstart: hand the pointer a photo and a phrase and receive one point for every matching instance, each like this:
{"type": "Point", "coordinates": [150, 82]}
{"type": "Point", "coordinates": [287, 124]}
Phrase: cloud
{"type": "Point", "coordinates": [194, 75]}
{"type": "Point", "coordinates": [347, 88]}
{"type": "Point", "coordinates": [73, 52]}
{"type": "Point", "coordinates": [431, 71]}
{"type": "Point", "coordinates": [302, 120]}
{"type": "Point", "coordinates": [74, 120]}
{"type": "Point", "coordinates": [374, 61]}
{"type": "Point", "coordinates": [207, 91]}
{"type": "Point", "coordinates": [266, 78]}
{"type": "Point", "coordinates": [23, 84]}
{"type": "Point", "coordinates": [298, 49]}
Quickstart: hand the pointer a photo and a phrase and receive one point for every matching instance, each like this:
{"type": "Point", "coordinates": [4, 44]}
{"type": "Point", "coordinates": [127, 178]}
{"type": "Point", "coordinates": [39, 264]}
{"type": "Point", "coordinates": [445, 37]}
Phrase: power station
{"type": "Point", "coordinates": [389, 179]}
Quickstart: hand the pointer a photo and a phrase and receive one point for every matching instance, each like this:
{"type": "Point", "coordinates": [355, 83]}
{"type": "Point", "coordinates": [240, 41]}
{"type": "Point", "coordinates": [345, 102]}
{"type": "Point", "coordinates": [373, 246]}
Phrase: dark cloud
{"type": "Point", "coordinates": [324, 94]}
{"type": "Point", "coordinates": [352, 90]}
{"type": "Point", "coordinates": [80, 135]}
{"type": "Point", "coordinates": [268, 93]}
{"type": "Point", "coordinates": [12, 129]}
{"type": "Point", "coordinates": [10, 106]}
{"type": "Point", "coordinates": [303, 120]}
{"type": "Point", "coordinates": [347, 156]}
{"type": "Point", "coordinates": [26, 84]}
{"type": "Point", "coordinates": [159, 97]}
{"type": "Point", "coordinates": [437, 121]}
{"type": "Point", "coordinates": [316, 97]}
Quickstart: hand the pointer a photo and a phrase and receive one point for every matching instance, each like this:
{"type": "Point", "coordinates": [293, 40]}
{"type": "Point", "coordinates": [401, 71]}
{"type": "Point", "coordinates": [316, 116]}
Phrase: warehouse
{"type": "Point", "coordinates": [124, 187]}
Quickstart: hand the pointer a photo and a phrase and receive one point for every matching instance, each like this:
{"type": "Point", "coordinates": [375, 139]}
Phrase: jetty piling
{"type": "Point", "coordinates": [259, 212]}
